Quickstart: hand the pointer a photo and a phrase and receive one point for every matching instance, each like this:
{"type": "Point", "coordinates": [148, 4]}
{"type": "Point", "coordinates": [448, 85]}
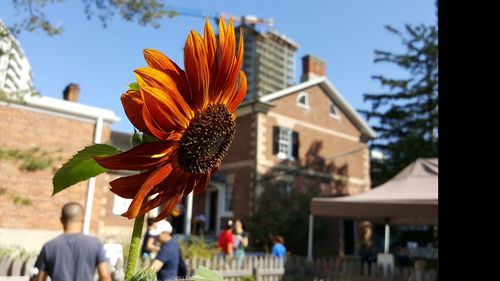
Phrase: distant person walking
{"type": "Point", "coordinates": [240, 238]}
{"type": "Point", "coordinates": [168, 260]}
{"type": "Point", "coordinates": [226, 242]}
{"type": "Point", "coordinates": [72, 256]}
{"type": "Point", "coordinates": [279, 249]}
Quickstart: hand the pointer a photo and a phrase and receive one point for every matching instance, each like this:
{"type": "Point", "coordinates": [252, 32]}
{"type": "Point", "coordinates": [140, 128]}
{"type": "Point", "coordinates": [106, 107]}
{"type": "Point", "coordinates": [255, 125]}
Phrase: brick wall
{"type": "Point", "coordinates": [321, 137]}
{"type": "Point", "coordinates": [318, 112]}
{"type": "Point", "coordinates": [240, 165]}
{"type": "Point", "coordinates": [57, 138]}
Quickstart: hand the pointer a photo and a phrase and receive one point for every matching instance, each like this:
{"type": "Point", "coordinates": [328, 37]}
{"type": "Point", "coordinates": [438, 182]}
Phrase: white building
{"type": "Point", "coordinates": [15, 70]}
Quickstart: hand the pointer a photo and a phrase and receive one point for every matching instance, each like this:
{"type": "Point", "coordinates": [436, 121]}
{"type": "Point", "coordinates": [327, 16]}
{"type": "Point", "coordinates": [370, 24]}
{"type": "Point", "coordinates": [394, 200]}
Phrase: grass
{"type": "Point", "coordinates": [32, 159]}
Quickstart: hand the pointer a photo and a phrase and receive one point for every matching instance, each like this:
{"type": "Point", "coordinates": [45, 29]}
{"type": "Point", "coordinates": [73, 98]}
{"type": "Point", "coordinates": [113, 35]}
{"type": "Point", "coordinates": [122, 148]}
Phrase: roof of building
{"type": "Point", "coordinates": [67, 108]}
{"type": "Point", "coordinates": [333, 93]}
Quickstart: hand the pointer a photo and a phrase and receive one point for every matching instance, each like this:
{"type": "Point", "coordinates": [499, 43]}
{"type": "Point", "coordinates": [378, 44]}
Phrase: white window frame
{"type": "Point", "coordinates": [336, 109]}
{"type": "Point", "coordinates": [300, 96]}
{"type": "Point", "coordinates": [285, 144]}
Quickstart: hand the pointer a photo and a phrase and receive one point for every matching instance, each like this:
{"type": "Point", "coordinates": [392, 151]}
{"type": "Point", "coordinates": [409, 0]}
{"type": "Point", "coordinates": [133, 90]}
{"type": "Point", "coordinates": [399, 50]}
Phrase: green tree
{"type": "Point", "coordinates": [33, 18]}
{"type": "Point", "coordinates": [283, 207]}
{"type": "Point", "coordinates": [407, 113]}
{"type": "Point", "coordinates": [145, 12]}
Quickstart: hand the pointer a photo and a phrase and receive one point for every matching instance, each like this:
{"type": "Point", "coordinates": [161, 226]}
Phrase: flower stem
{"type": "Point", "coordinates": [135, 245]}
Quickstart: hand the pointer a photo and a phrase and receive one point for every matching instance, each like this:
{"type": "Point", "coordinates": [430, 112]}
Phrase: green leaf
{"type": "Point", "coordinates": [205, 274]}
{"type": "Point", "coordinates": [136, 138]}
{"type": "Point", "coordinates": [142, 138]}
{"type": "Point", "coordinates": [133, 86]}
{"type": "Point", "coordinates": [147, 138]}
{"type": "Point", "coordinates": [145, 274]}
{"type": "Point", "coordinates": [81, 166]}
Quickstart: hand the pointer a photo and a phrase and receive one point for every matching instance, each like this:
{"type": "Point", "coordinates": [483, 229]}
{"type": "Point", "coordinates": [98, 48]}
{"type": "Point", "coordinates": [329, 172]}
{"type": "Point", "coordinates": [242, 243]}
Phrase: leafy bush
{"type": "Point", "coordinates": [16, 251]}
{"type": "Point", "coordinates": [198, 247]}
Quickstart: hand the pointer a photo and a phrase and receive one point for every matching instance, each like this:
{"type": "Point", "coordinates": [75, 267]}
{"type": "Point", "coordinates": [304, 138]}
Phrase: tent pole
{"type": "Point", "coordinates": [387, 233]}
{"type": "Point", "coordinates": [310, 237]}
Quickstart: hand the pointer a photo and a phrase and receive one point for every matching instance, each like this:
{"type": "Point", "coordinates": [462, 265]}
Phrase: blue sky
{"type": "Point", "coordinates": [101, 60]}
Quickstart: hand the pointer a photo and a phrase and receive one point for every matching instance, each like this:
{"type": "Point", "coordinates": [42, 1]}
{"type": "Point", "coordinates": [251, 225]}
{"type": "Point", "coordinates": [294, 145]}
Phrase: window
{"type": "Point", "coordinates": [285, 143]}
{"type": "Point", "coordinates": [284, 188]}
{"type": "Point", "coordinates": [303, 100]}
{"type": "Point", "coordinates": [334, 111]}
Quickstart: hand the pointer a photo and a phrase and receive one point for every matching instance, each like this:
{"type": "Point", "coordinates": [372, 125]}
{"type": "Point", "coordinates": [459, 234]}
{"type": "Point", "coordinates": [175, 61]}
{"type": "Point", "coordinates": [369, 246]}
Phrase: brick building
{"type": "Point", "coordinates": [308, 129]}
{"type": "Point", "coordinates": [37, 137]}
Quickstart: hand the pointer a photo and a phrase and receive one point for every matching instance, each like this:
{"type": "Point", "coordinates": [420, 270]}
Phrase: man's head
{"type": "Point", "coordinates": [229, 226]}
{"type": "Point", "coordinates": [279, 239]}
{"type": "Point", "coordinates": [163, 231]}
{"type": "Point", "coordinates": [72, 214]}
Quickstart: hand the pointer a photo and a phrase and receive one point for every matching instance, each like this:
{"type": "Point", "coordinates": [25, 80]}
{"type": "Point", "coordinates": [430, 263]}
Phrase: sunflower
{"type": "Point", "coordinates": [192, 115]}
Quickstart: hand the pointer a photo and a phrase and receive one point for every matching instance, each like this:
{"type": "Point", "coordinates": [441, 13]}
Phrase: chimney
{"type": "Point", "coordinates": [312, 67]}
{"type": "Point", "coordinates": [71, 92]}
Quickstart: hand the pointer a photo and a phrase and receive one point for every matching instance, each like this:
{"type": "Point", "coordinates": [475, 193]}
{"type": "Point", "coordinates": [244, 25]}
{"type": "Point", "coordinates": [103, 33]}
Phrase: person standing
{"type": "Point", "coordinates": [279, 249]}
{"type": "Point", "coordinates": [226, 242]}
{"type": "Point", "coordinates": [166, 263]}
{"type": "Point", "coordinates": [72, 255]}
{"type": "Point", "coordinates": [240, 238]}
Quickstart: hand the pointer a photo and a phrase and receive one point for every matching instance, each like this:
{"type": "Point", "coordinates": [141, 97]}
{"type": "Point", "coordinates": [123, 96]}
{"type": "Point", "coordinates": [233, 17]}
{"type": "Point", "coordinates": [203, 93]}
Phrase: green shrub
{"type": "Point", "coordinates": [198, 247]}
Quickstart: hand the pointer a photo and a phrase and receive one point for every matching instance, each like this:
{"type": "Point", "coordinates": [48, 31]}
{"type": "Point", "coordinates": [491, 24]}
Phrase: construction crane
{"type": "Point", "coordinates": [246, 19]}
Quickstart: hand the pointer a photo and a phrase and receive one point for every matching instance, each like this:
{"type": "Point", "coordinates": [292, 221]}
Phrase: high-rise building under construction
{"type": "Point", "coordinates": [269, 61]}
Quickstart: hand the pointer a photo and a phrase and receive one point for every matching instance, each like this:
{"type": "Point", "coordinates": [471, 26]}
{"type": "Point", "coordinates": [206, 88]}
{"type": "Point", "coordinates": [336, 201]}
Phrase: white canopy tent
{"type": "Point", "coordinates": [410, 197]}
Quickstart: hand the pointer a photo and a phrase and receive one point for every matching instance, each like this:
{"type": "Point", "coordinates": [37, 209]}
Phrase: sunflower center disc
{"type": "Point", "coordinates": [206, 141]}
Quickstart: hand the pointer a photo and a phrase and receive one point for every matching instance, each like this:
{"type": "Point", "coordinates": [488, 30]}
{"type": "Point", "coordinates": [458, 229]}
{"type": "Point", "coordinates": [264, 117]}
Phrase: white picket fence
{"type": "Point", "coordinates": [15, 268]}
{"type": "Point", "coordinates": [263, 268]}
{"type": "Point", "coordinates": [350, 269]}
{"type": "Point", "coordinates": [259, 268]}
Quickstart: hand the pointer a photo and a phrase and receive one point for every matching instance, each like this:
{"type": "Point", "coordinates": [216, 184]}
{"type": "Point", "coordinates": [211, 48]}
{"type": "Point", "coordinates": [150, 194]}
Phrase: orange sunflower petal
{"type": "Point", "coordinates": [227, 53]}
{"type": "Point", "coordinates": [155, 129]}
{"type": "Point", "coordinates": [210, 45]}
{"type": "Point", "coordinates": [168, 207]}
{"type": "Point", "coordinates": [176, 189]}
{"type": "Point", "coordinates": [132, 104]}
{"type": "Point", "coordinates": [232, 78]}
{"type": "Point", "coordinates": [212, 54]}
{"type": "Point", "coordinates": [222, 31]}
{"type": "Point", "coordinates": [155, 78]}
{"type": "Point", "coordinates": [163, 109]}
{"type": "Point", "coordinates": [156, 59]}
{"type": "Point", "coordinates": [152, 203]}
{"type": "Point", "coordinates": [170, 187]}
{"type": "Point", "coordinates": [238, 98]}
{"type": "Point", "coordinates": [127, 187]}
{"type": "Point", "coordinates": [144, 156]}
{"type": "Point", "coordinates": [195, 61]}
{"type": "Point", "coordinates": [156, 177]}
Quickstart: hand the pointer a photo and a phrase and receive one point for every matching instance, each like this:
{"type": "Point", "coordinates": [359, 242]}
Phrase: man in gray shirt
{"type": "Point", "coordinates": [72, 256]}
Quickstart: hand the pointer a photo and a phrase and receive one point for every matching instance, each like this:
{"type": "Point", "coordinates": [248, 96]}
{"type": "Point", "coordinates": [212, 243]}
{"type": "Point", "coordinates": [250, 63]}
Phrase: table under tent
{"type": "Point", "coordinates": [409, 198]}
